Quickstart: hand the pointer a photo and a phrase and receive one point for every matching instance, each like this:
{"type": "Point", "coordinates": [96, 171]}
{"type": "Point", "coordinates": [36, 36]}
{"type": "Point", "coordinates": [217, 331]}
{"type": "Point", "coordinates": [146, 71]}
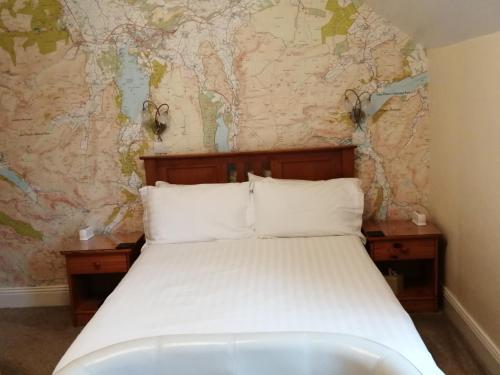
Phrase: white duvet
{"type": "Point", "coordinates": [317, 284]}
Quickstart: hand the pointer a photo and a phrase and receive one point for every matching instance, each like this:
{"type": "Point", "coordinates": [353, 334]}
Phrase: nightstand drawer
{"type": "Point", "coordinates": [403, 249]}
{"type": "Point", "coordinates": [87, 264]}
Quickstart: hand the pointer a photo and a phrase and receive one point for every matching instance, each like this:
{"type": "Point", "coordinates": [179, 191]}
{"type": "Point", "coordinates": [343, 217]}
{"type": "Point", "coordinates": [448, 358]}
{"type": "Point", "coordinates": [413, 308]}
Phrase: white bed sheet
{"type": "Point", "coordinates": [317, 284]}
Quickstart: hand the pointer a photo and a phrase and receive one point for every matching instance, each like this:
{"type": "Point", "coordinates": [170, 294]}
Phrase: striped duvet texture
{"type": "Point", "coordinates": [314, 284]}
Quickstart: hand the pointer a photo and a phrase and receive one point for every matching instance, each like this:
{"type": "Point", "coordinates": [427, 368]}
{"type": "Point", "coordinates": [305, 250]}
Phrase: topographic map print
{"type": "Point", "coordinates": [238, 75]}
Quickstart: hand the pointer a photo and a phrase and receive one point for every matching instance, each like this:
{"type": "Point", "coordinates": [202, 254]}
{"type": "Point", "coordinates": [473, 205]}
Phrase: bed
{"type": "Point", "coordinates": [271, 292]}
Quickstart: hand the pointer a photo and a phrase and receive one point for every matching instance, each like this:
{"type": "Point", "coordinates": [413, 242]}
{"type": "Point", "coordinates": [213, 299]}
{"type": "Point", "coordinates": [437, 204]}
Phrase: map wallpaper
{"type": "Point", "coordinates": [237, 74]}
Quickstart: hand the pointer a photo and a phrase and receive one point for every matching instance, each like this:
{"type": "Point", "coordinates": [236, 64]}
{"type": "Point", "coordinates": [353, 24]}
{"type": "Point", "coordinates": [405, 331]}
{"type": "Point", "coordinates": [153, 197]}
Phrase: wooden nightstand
{"type": "Point", "coordinates": [94, 268]}
{"type": "Point", "coordinates": [412, 251]}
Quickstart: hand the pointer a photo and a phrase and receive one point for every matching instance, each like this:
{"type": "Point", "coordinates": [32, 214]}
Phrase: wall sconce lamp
{"type": "Point", "coordinates": [355, 109]}
{"type": "Point", "coordinates": [159, 123]}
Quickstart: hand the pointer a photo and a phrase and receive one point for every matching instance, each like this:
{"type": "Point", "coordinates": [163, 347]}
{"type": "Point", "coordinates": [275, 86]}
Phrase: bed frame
{"type": "Point", "coordinates": [306, 164]}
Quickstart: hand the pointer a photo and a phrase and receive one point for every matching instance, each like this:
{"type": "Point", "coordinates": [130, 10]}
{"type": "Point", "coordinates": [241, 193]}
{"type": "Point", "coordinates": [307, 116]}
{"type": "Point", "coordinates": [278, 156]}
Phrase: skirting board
{"type": "Point", "coordinates": [482, 345]}
{"type": "Point", "coordinates": [52, 295]}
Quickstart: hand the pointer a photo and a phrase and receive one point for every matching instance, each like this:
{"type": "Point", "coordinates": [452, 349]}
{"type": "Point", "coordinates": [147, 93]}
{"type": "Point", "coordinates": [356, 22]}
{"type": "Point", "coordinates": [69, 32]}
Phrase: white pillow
{"type": "Point", "coordinates": [253, 177]}
{"type": "Point", "coordinates": [250, 209]}
{"type": "Point", "coordinates": [165, 184]}
{"type": "Point", "coordinates": [191, 213]}
{"type": "Point", "coordinates": [308, 208]}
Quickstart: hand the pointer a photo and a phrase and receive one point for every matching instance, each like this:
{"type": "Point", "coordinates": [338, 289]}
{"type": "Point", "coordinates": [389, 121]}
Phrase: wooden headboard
{"type": "Point", "coordinates": [307, 164]}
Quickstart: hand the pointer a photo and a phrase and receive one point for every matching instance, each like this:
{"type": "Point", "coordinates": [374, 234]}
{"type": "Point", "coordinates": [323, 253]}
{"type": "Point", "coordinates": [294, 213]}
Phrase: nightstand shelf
{"type": "Point", "coordinates": [94, 268]}
{"type": "Point", "coordinates": [416, 292]}
{"type": "Point", "coordinates": [411, 251]}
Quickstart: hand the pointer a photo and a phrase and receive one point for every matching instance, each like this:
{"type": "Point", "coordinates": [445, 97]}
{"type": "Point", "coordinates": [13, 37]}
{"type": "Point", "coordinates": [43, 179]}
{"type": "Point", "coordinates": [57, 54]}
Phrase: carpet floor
{"type": "Point", "coordinates": [33, 339]}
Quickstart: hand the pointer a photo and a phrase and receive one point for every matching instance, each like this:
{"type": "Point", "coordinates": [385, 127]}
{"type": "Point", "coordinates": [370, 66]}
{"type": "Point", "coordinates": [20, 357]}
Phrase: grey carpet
{"type": "Point", "coordinates": [446, 345]}
{"type": "Point", "coordinates": [32, 341]}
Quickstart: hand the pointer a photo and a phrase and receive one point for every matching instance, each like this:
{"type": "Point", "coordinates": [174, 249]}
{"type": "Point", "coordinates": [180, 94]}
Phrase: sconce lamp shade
{"type": "Point", "coordinates": [163, 117]}
{"type": "Point", "coordinates": [146, 117]}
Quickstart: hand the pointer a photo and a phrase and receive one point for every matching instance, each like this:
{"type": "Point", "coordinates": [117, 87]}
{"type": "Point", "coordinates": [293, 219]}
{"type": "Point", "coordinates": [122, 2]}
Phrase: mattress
{"type": "Point", "coordinates": [316, 284]}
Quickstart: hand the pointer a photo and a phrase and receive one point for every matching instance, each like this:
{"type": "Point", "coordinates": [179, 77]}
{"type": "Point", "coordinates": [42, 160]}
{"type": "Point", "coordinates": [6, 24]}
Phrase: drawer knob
{"type": "Point", "coordinates": [97, 265]}
{"type": "Point", "coordinates": [399, 247]}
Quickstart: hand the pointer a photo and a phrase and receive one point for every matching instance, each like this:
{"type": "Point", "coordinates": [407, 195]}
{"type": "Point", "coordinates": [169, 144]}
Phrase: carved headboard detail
{"type": "Point", "coordinates": [307, 164]}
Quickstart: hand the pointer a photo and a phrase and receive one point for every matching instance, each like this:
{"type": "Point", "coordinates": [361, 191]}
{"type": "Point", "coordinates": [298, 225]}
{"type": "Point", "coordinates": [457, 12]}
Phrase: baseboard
{"type": "Point", "coordinates": [482, 345]}
{"type": "Point", "coordinates": [52, 295]}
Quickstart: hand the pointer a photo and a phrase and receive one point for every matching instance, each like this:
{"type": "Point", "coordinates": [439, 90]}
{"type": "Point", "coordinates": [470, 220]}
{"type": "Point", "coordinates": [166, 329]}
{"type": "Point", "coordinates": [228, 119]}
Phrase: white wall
{"type": "Point", "coordinates": [440, 23]}
{"type": "Point", "coordinates": [465, 173]}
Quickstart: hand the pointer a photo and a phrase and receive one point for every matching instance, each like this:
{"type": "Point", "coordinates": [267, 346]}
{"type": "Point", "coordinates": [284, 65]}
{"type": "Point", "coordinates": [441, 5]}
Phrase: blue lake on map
{"type": "Point", "coordinates": [221, 134]}
{"type": "Point", "coordinates": [133, 83]}
{"type": "Point", "coordinates": [18, 181]}
{"type": "Point", "coordinates": [404, 87]}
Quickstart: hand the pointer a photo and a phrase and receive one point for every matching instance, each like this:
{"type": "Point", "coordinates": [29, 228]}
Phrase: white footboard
{"type": "Point", "coordinates": [244, 354]}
